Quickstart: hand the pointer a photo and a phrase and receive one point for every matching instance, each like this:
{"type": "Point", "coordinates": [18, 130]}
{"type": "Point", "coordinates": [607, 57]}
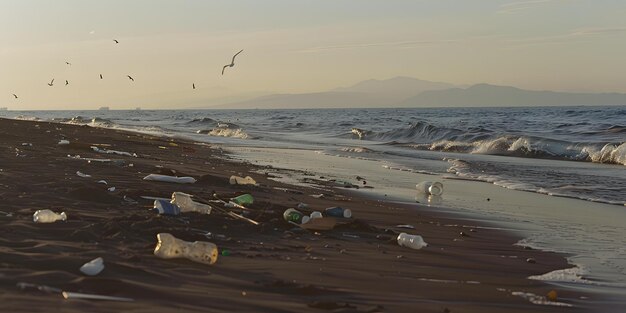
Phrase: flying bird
{"type": "Point", "coordinates": [66, 82]}
{"type": "Point", "coordinates": [100, 76]}
{"type": "Point", "coordinates": [232, 63]}
{"type": "Point", "coordinates": [68, 63]}
{"type": "Point", "coordinates": [14, 95]}
{"type": "Point", "coordinates": [193, 85]}
{"type": "Point", "coordinates": [51, 83]}
{"type": "Point", "coordinates": [130, 77]}
{"type": "Point", "coordinates": [116, 41]}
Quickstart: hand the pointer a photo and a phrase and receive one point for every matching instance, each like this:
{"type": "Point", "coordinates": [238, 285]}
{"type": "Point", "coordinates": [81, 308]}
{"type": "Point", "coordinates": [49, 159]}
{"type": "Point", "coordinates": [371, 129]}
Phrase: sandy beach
{"type": "Point", "coordinates": [271, 267]}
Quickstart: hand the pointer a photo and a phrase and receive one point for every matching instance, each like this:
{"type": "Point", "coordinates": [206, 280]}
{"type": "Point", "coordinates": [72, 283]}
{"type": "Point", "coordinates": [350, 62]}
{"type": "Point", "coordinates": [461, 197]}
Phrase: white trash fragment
{"type": "Point", "coordinates": [78, 295]}
{"type": "Point", "coordinates": [411, 241]}
{"type": "Point", "coordinates": [47, 216]}
{"type": "Point", "coordinates": [104, 182]}
{"type": "Point", "coordinates": [79, 173]}
{"type": "Point", "coordinates": [430, 188]}
{"type": "Point", "coordinates": [237, 180]}
{"type": "Point", "coordinates": [27, 144]}
{"type": "Point", "coordinates": [96, 149]}
{"type": "Point", "coordinates": [111, 189]}
{"type": "Point", "coordinates": [63, 142]}
{"type": "Point", "coordinates": [93, 267]}
{"type": "Point", "coordinates": [170, 179]}
{"type": "Point", "coordinates": [316, 214]}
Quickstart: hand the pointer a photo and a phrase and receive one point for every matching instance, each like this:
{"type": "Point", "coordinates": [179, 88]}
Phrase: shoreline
{"type": "Point", "coordinates": [371, 274]}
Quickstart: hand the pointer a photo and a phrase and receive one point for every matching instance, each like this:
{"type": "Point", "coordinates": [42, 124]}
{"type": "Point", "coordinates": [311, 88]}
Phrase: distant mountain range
{"type": "Point", "coordinates": [411, 92]}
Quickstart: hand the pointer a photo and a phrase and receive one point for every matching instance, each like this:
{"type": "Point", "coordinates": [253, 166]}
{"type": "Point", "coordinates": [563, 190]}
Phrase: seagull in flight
{"type": "Point", "coordinates": [68, 63]}
{"type": "Point", "coordinates": [51, 83]}
{"type": "Point", "coordinates": [129, 77]}
{"type": "Point", "coordinates": [232, 63]}
{"type": "Point", "coordinates": [14, 95]}
{"type": "Point", "coordinates": [66, 82]}
{"type": "Point", "coordinates": [193, 85]}
{"type": "Point", "coordinates": [116, 41]}
{"type": "Point", "coordinates": [100, 76]}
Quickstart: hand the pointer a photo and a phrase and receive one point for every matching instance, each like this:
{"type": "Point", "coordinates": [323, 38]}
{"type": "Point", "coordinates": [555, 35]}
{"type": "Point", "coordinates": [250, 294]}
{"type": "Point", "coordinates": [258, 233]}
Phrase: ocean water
{"type": "Point", "coordinates": [576, 154]}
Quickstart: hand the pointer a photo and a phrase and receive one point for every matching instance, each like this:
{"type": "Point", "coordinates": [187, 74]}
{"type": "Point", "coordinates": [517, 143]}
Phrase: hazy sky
{"type": "Point", "coordinates": [295, 46]}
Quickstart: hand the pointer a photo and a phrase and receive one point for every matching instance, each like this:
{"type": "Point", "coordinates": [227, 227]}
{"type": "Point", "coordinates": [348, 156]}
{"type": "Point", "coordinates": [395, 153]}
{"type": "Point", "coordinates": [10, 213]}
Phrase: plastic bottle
{"type": "Point", "coordinates": [430, 188]}
{"type": "Point", "coordinates": [47, 216]}
{"type": "Point", "coordinates": [236, 180]}
{"type": "Point", "coordinates": [412, 241]}
{"type": "Point", "coordinates": [243, 200]}
{"type": "Point", "coordinates": [295, 216]}
{"type": "Point", "coordinates": [170, 179]}
{"type": "Point", "coordinates": [337, 212]}
{"type": "Point", "coordinates": [170, 247]}
{"type": "Point", "coordinates": [186, 204]}
{"type": "Point", "coordinates": [166, 208]}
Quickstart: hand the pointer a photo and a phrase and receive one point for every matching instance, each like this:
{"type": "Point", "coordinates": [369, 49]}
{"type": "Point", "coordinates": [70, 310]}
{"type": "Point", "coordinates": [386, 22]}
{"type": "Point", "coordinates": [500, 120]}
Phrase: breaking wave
{"type": "Point", "coordinates": [481, 140]}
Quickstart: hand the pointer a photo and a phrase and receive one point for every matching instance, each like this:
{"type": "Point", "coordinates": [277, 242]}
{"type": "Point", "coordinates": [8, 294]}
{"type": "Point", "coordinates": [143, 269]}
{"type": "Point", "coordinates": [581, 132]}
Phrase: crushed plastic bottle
{"type": "Point", "coordinates": [47, 216]}
{"type": "Point", "coordinates": [316, 214]}
{"type": "Point", "coordinates": [411, 241]}
{"type": "Point", "coordinates": [170, 247]}
{"type": "Point", "coordinates": [237, 180]}
{"type": "Point", "coordinates": [295, 216]}
{"type": "Point", "coordinates": [430, 188]}
{"type": "Point", "coordinates": [186, 204]}
{"type": "Point", "coordinates": [170, 179]}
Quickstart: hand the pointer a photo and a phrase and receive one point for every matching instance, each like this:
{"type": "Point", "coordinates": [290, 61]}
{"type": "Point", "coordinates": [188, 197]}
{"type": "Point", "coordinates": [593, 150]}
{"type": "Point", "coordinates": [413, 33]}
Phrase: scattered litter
{"type": "Point", "coordinates": [405, 226]}
{"type": "Point", "coordinates": [63, 142]}
{"type": "Point", "coordinates": [170, 179]}
{"type": "Point", "coordinates": [320, 196]}
{"type": "Point", "coordinates": [552, 295]}
{"type": "Point", "coordinates": [302, 206]}
{"type": "Point", "coordinates": [338, 212]}
{"type": "Point", "coordinates": [78, 295]}
{"type": "Point", "coordinates": [96, 149]}
{"type": "Point", "coordinates": [236, 180]}
{"type": "Point", "coordinates": [186, 204]}
{"type": "Point", "coordinates": [104, 182]}
{"type": "Point", "coordinates": [165, 207]}
{"type": "Point", "coordinates": [531, 260]}
{"type": "Point", "coordinates": [243, 200]}
{"type": "Point", "coordinates": [316, 214]}
{"type": "Point", "coordinates": [111, 189]}
{"type": "Point", "coordinates": [295, 216]}
{"type": "Point", "coordinates": [78, 157]}
{"type": "Point", "coordinates": [27, 144]}
{"type": "Point", "coordinates": [411, 241]}
{"type": "Point", "coordinates": [93, 267]}
{"type": "Point", "coordinates": [430, 188]}
{"type": "Point", "coordinates": [154, 198]}
{"type": "Point", "coordinates": [79, 173]}
{"type": "Point", "coordinates": [47, 216]}
{"type": "Point", "coordinates": [169, 247]}
{"type": "Point", "coordinates": [43, 288]}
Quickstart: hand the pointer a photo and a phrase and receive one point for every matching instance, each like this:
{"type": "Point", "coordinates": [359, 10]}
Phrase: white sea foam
{"type": "Point", "coordinates": [229, 132]}
{"type": "Point", "coordinates": [539, 300]}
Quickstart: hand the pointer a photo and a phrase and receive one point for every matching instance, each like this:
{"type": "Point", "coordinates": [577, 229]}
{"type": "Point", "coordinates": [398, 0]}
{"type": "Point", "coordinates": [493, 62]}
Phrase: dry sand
{"type": "Point", "coordinates": [273, 267]}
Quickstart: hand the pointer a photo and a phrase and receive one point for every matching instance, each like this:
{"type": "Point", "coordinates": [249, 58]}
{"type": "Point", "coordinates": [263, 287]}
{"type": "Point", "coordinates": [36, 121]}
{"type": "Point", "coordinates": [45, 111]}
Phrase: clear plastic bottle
{"type": "Point", "coordinates": [170, 247]}
{"type": "Point", "coordinates": [186, 204]}
{"type": "Point", "coordinates": [430, 188]}
{"type": "Point", "coordinates": [411, 241]}
{"type": "Point", "coordinates": [47, 216]}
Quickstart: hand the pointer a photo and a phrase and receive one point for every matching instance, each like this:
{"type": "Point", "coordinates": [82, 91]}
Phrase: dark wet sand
{"type": "Point", "coordinates": [273, 267]}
